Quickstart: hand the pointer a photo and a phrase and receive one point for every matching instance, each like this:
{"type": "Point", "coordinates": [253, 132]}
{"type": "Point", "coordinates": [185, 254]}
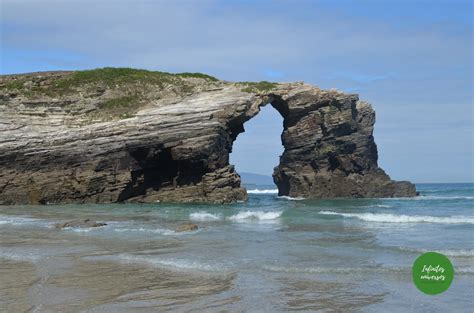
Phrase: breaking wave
{"type": "Point", "coordinates": [291, 198]}
{"type": "Point", "coordinates": [334, 270]}
{"type": "Point", "coordinates": [424, 197]}
{"type": "Point", "coordinates": [17, 220]}
{"type": "Point", "coordinates": [256, 215]}
{"type": "Point", "coordinates": [165, 263]}
{"type": "Point", "coordinates": [263, 191]}
{"type": "Point", "coordinates": [204, 216]}
{"type": "Point", "coordinates": [448, 252]}
{"type": "Point", "coordinates": [160, 231]}
{"type": "Point", "coordinates": [392, 218]}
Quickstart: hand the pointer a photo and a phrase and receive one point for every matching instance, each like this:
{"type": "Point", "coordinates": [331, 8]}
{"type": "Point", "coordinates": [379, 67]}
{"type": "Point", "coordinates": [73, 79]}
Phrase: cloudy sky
{"type": "Point", "coordinates": [411, 59]}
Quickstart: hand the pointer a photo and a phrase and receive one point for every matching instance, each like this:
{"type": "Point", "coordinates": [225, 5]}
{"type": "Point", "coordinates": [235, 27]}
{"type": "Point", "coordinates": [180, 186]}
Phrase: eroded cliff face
{"type": "Point", "coordinates": [127, 135]}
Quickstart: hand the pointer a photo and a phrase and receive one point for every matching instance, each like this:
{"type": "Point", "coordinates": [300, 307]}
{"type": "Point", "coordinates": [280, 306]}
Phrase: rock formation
{"type": "Point", "coordinates": [79, 223]}
{"type": "Point", "coordinates": [114, 135]}
{"type": "Point", "coordinates": [186, 227]}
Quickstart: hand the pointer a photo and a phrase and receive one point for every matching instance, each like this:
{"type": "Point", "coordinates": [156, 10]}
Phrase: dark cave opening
{"type": "Point", "coordinates": [155, 168]}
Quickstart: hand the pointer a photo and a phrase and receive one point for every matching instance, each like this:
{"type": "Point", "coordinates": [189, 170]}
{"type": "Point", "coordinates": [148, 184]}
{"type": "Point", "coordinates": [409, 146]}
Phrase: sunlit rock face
{"type": "Point", "coordinates": [329, 148]}
{"type": "Point", "coordinates": [127, 135]}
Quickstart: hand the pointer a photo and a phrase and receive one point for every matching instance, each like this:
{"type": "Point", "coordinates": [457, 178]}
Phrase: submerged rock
{"type": "Point", "coordinates": [79, 223]}
{"type": "Point", "coordinates": [186, 227]}
{"type": "Point", "coordinates": [115, 135]}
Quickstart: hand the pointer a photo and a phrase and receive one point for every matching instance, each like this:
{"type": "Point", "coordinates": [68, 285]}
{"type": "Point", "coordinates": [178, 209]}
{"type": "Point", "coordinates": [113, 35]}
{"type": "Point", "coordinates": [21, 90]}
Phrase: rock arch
{"type": "Point", "coordinates": [329, 148]}
{"type": "Point", "coordinates": [177, 148]}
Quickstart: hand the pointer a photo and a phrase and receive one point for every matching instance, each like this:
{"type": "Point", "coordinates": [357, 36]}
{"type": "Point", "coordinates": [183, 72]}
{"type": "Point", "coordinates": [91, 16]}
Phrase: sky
{"type": "Point", "coordinates": [411, 59]}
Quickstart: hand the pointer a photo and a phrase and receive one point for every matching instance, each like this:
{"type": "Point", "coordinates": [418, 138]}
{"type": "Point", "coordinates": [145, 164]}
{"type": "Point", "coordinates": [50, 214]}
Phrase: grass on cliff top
{"type": "Point", "coordinates": [107, 77]}
{"type": "Point", "coordinates": [116, 108]}
{"type": "Point", "coordinates": [111, 77]}
{"type": "Point", "coordinates": [262, 86]}
{"type": "Point", "coordinates": [117, 76]}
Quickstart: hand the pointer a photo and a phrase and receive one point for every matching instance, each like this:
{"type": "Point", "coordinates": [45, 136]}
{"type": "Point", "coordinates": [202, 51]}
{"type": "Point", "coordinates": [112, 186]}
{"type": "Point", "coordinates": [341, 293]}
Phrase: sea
{"type": "Point", "coordinates": [269, 254]}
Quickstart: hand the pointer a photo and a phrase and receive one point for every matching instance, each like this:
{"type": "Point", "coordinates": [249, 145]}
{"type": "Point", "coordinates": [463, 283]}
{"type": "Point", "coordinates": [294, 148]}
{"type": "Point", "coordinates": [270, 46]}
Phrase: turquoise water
{"type": "Point", "coordinates": [269, 254]}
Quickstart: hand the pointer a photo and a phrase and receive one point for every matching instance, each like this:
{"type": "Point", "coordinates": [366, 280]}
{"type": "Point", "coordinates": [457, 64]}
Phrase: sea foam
{"type": "Point", "coordinates": [164, 263]}
{"type": "Point", "coordinates": [426, 197]}
{"type": "Point", "coordinates": [17, 220]}
{"type": "Point", "coordinates": [256, 215]}
{"type": "Point", "coordinates": [448, 252]}
{"type": "Point", "coordinates": [204, 216]}
{"type": "Point", "coordinates": [291, 198]}
{"type": "Point", "coordinates": [263, 191]}
{"type": "Point", "coordinates": [393, 218]}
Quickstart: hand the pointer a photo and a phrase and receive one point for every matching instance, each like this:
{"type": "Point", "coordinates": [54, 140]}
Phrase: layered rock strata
{"type": "Point", "coordinates": [127, 135]}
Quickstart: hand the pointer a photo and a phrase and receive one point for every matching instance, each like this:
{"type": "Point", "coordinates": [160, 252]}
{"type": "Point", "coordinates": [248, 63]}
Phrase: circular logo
{"type": "Point", "coordinates": [433, 273]}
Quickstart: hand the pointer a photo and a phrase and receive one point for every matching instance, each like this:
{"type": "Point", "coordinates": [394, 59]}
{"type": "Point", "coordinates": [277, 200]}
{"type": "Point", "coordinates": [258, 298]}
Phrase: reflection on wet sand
{"type": "Point", "coordinates": [105, 286]}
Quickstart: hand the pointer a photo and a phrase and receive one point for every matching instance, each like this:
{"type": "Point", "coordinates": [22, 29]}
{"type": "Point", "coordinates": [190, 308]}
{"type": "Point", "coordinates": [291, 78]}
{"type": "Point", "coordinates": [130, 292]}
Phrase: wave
{"type": "Point", "coordinates": [257, 215]}
{"type": "Point", "coordinates": [17, 220]}
{"type": "Point", "coordinates": [464, 270]}
{"type": "Point", "coordinates": [426, 197]}
{"type": "Point", "coordinates": [392, 218]}
{"type": "Point", "coordinates": [291, 198]}
{"type": "Point", "coordinates": [447, 252]}
{"type": "Point", "coordinates": [384, 206]}
{"type": "Point", "coordinates": [170, 264]}
{"type": "Point", "coordinates": [336, 270]}
{"type": "Point", "coordinates": [352, 270]}
{"type": "Point", "coordinates": [204, 216]}
{"type": "Point", "coordinates": [160, 231]}
{"type": "Point", "coordinates": [20, 257]}
{"type": "Point", "coordinates": [263, 191]}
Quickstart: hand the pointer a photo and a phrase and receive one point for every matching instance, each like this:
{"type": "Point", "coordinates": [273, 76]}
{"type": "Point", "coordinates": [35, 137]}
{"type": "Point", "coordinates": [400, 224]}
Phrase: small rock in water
{"type": "Point", "coordinates": [79, 223]}
{"type": "Point", "coordinates": [186, 227]}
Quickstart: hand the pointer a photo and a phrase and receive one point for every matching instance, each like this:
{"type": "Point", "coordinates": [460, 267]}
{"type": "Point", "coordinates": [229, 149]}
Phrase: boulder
{"type": "Point", "coordinates": [79, 223]}
{"type": "Point", "coordinates": [186, 227]}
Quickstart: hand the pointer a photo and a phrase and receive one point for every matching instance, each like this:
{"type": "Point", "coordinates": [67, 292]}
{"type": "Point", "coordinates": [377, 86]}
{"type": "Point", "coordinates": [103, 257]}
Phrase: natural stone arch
{"type": "Point", "coordinates": [329, 148]}
{"type": "Point", "coordinates": [177, 148]}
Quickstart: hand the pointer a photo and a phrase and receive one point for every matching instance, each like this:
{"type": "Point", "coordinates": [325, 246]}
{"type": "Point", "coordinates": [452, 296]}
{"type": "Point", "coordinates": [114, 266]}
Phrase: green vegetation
{"type": "Point", "coordinates": [262, 86]}
{"type": "Point", "coordinates": [116, 108]}
{"type": "Point", "coordinates": [117, 103]}
{"type": "Point", "coordinates": [198, 75]}
{"type": "Point", "coordinates": [108, 77]}
{"type": "Point", "coordinates": [15, 85]}
{"type": "Point", "coordinates": [327, 149]}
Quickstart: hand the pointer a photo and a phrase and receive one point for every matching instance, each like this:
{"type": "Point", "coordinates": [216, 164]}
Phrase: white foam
{"type": "Point", "coordinates": [464, 270]}
{"type": "Point", "coordinates": [291, 198]}
{"type": "Point", "coordinates": [20, 257]}
{"type": "Point", "coordinates": [447, 252]}
{"type": "Point", "coordinates": [256, 215]}
{"type": "Point", "coordinates": [166, 263]}
{"type": "Point", "coordinates": [204, 216]}
{"type": "Point", "coordinates": [160, 231]}
{"type": "Point", "coordinates": [422, 197]}
{"type": "Point", "coordinates": [17, 220]}
{"type": "Point", "coordinates": [337, 270]}
{"type": "Point", "coordinates": [393, 218]}
{"type": "Point", "coordinates": [385, 206]}
{"type": "Point", "coordinates": [263, 191]}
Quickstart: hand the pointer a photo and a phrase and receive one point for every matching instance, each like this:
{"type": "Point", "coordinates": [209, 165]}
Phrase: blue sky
{"type": "Point", "coordinates": [411, 59]}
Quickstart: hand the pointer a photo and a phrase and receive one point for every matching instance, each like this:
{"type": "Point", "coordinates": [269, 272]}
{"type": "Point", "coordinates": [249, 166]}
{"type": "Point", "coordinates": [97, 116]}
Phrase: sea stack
{"type": "Point", "coordinates": [115, 135]}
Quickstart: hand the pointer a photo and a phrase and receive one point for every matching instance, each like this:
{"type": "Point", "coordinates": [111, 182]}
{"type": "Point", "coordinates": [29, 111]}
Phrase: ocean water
{"type": "Point", "coordinates": [270, 254]}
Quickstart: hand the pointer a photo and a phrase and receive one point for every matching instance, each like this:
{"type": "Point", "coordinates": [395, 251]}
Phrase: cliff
{"type": "Point", "coordinates": [113, 135]}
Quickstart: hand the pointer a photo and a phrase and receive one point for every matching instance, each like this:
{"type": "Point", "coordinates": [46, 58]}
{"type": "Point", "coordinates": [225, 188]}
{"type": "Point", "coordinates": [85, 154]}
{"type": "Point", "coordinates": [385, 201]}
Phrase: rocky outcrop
{"type": "Point", "coordinates": [115, 135]}
{"type": "Point", "coordinates": [186, 227]}
{"type": "Point", "coordinates": [79, 223]}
